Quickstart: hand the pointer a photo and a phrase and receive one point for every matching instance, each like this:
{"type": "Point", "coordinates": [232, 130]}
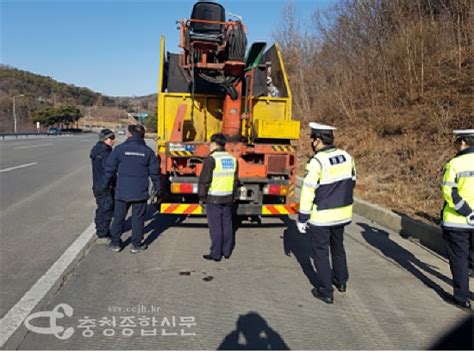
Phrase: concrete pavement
{"type": "Point", "coordinates": [260, 298]}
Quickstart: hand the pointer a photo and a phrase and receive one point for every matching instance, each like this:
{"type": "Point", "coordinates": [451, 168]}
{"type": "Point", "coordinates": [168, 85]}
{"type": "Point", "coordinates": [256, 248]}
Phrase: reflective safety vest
{"type": "Point", "coordinates": [223, 175]}
{"type": "Point", "coordinates": [327, 191]}
{"type": "Point", "coordinates": [458, 190]}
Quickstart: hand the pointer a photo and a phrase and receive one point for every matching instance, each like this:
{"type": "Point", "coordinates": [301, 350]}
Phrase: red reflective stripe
{"type": "Point", "coordinates": [272, 209]}
{"type": "Point", "coordinates": [171, 208]}
{"type": "Point", "coordinates": [190, 209]}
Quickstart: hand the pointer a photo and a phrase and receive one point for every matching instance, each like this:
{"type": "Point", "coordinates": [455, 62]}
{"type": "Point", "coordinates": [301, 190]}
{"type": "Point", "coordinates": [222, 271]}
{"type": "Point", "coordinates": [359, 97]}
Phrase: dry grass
{"type": "Point", "coordinates": [399, 165]}
{"type": "Point", "coordinates": [396, 78]}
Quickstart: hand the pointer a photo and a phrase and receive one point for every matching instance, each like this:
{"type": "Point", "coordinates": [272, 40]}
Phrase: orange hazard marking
{"type": "Point", "coordinates": [272, 210]}
{"type": "Point", "coordinates": [190, 209]}
{"type": "Point", "coordinates": [181, 208]}
{"type": "Point", "coordinates": [277, 210]}
{"type": "Point", "coordinates": [171, 208]}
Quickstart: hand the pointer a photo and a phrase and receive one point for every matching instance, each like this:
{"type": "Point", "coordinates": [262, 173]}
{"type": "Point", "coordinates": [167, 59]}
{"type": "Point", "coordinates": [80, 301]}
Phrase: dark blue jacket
{"type": "Point", "coordinates": [99, 154]}
{"type": "Point", "coordinates": [133, 162]}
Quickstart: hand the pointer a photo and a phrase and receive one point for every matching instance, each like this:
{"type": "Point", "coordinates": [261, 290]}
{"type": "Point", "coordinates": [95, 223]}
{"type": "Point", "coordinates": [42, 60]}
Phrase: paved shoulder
{"type": "Point", "coordinates": [170, 298]}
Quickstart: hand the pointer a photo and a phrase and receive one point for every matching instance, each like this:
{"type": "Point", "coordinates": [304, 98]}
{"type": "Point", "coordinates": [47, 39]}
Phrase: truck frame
{"type": "Point", "coordinates": [190, 110]}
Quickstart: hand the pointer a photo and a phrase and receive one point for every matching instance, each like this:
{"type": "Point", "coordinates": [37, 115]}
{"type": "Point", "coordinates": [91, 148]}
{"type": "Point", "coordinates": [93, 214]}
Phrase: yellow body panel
{"type": "Point", "coordinates": [277, 129]}
{"type": "Point", "coordinates": [207, 115]}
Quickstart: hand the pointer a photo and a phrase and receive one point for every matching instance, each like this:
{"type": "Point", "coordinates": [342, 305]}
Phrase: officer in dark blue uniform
{"type": "Point", "coordinates": [133, 162]}
{"type": "Point", "coordinates": [103, 197]}
{"type": "Point", "coordinates": [216, 187]}
{"type": "Point", "coordinates": [326, 208]}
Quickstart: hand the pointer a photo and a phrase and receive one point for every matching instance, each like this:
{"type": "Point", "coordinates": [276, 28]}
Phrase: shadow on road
{"type": "Point", "coordinates": [159, 223]}
{"type": "Point", "coordinates": [300, 246]}
{"type": "Point", "coordinates": [256, 334]}
{"type": "Point", "coordinates": [380, 239]}
{"type": "Point", "coordinates": [457, 338]}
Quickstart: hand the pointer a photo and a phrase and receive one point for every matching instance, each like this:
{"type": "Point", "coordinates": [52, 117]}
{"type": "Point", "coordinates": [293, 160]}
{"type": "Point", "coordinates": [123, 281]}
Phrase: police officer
{"type": "Point", "coordinates": [103, 197]}
{"type": "Point", "coordinates": [217, 183]}
{"type": "Point", "coordinates": [326, 207]}
{"type": "Point", "coordinates": [457, 215]}
{"type": "Point", "coordinates": [133, 162]}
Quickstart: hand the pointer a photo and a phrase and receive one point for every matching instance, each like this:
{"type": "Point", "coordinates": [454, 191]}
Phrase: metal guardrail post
{"type": "Point", "coordinates": [28, 134]}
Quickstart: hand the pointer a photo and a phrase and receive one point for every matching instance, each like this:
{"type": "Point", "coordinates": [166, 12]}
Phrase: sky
{"type": "Point", "coordinates": [113, 46]}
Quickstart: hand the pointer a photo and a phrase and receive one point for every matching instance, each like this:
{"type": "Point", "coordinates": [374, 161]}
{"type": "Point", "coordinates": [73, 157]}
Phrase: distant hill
{"type": "Point", "coordinates": [43, 90]}
{"type": "Point", "coordinates": [14, 81]}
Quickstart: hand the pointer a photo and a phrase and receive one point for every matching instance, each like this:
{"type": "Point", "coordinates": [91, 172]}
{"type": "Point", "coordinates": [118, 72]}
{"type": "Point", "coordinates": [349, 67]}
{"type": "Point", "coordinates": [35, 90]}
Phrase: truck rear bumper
{"type": "Point", "coordinates": [242, 210]}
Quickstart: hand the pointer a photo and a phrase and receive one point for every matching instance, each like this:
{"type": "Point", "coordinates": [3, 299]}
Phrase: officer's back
{"type": "Point", "coordinates": [133, 161]}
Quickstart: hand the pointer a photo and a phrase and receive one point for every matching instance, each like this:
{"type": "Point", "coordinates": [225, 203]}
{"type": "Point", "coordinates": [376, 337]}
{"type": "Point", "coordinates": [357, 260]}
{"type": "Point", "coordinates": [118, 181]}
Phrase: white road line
{"type": "Point", "coordinates": [18, 313]}
{"type": "Point", "coordinates": [17, 167]}
{"type": "Point", "coordinates": [33, 146]}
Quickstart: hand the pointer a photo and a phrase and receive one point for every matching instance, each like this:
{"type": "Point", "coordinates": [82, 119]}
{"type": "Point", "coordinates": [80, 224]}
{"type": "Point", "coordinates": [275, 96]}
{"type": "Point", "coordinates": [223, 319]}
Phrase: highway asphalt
{"type": "Point", "coordinates": [46, 203]}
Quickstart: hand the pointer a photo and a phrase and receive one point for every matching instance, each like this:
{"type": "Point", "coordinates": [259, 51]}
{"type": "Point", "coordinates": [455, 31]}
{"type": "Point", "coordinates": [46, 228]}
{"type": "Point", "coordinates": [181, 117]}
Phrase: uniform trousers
{"type": "Point", "coordinates": [325, 241]}
{"type": "Point", "coordinates": [103, 213]}
{"type": "Point", "coordinates": [219, 218]}
{"type": "Point", "coordinates": [138, 221]}
{"type": "Point", "coordinates": [458, 246]}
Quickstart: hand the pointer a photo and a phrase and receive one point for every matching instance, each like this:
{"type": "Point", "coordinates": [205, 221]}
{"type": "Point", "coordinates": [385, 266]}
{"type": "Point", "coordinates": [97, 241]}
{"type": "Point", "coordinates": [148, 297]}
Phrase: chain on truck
{"type": "Point", "coordinates": [215, 85]}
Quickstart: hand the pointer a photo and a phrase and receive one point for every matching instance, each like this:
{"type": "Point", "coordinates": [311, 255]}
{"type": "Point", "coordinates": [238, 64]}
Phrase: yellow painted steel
{"type": "Point", "coordinates": [285, 79]}
{"type": "Point", "coordinates": [272, 115]}
{"type": "Point", "coordinates": [277, 129]}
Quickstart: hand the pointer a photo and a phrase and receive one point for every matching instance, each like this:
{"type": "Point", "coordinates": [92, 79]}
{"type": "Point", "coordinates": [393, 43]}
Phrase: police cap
{"type": "Point", "coordinates": [105, 134]}
{"type": "Point", "coordinates": [322, 131]}
{"type": "Point", "coordinates": [463, 133]}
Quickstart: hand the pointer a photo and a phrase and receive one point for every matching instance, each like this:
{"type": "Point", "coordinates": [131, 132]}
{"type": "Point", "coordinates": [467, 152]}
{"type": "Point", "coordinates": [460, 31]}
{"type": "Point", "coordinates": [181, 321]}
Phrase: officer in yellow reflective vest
{"type": "Point", "coordinates": [217, 183]}
{"type": "Point", "coordinates": [457, 215]}
{"type": "Point", "coordinates": [326, 207]}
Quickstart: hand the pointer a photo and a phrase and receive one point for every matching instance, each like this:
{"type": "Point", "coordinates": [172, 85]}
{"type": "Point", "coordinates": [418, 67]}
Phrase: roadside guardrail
{"type": "Point", "coordinates": [34, 134]}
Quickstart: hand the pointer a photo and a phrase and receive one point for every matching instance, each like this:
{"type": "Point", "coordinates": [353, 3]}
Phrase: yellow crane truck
{"type": "Point", "coordinates": [216, 85]}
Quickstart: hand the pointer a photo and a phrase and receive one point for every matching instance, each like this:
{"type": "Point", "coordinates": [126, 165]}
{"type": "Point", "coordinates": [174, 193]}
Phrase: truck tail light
{"type": "Point", "coordinates": [276, 190]}
{"type": "Point", "coordinates": [183, 188]}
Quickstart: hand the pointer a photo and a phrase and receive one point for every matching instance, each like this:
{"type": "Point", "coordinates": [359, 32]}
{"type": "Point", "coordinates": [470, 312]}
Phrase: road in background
{"type": "Point", "coordinates": [46, 203]}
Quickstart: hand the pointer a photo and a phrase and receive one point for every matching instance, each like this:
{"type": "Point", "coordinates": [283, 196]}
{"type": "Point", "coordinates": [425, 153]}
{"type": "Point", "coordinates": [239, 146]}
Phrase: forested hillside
{"type": "Point", "coordinates": [395, 76]}
{"type": "Point", "coordinates": [35, 93]}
